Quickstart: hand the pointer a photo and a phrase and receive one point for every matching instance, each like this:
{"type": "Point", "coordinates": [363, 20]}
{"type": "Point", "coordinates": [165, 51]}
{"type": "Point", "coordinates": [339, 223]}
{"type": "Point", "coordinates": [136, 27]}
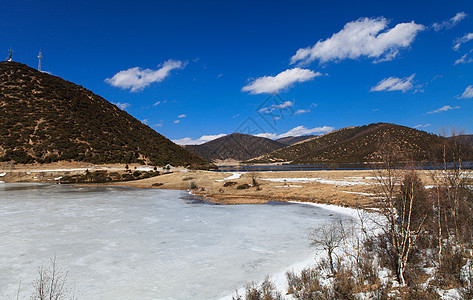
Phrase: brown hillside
{"type": "Point", "coordinates": [45, 119]}
{"type": "Point", "coordinates": [362, 144]}
{"type": "Point", "coordinates": [235, 146]}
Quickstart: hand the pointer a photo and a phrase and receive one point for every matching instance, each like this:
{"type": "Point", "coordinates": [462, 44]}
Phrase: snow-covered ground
{"type": "Point", "coordinates": [123, 243]}
{"type": "Point", "coordinates": [235, 175]}
{"type": "Point", "coordinates": [348, 181]}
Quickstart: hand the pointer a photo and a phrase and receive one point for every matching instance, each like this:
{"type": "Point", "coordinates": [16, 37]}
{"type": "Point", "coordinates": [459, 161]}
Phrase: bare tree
{"type": "Point", "coordinates": [329, 238]}
{"type": "Point", "coordinates": [51, 284]}
{"type": "Point", "coordinates": [398, 207]}
{"type": "Point", "coordinates": [254, 178]}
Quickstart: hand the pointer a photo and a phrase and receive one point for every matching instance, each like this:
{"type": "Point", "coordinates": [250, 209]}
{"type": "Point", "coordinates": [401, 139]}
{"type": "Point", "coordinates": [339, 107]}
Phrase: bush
{"type": "Point", "coordinates": [265, 291]}
{"type": "Point", "coordinates": [243, 186]}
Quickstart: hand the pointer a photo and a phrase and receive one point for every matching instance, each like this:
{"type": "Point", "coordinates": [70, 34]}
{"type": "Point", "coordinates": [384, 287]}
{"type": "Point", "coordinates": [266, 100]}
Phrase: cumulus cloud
{"type": "Point", "coordinates": [297, 131]}
{"type": "Point", "coordinates": [468, 93]}
{"type": "Point", "coordinates": [122, 105]}
{"type": "Point", "coordinates": [442, 109]}
{"type": "Point", "coordinates": [177, 121]}
{"type": "Point", "coordinates": [199, 141]}
{"type": "Point", "coordinates": [459, 41]}
{"type": "Point", "coordinates": [182, 116]}
{"type": "Point", "coordinates": [364, 37]}
{"type": "Point", "coordinates": [450, 23]}
{"type": "Point", "coordinates": [274, 84]}
{"type": "Point", "coordinates": [465, 59]}
{"type": "Point", "coordinates": [394, 84]}
{"type": "Point", "coordinates": [137, 79]}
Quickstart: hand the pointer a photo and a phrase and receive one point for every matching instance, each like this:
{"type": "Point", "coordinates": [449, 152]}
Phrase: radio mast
{"type": "Point", "coordinates": [10, 54]}
{"type": "Point", "coordinates": [40, 56]}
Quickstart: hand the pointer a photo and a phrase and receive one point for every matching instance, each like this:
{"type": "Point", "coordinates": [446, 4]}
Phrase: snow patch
{"type": "Point", "coordinates": [235, 175]}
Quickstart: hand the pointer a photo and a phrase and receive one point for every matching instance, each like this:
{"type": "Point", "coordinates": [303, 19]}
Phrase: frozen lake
{"type": "Point", "coordinates": [124, 243]}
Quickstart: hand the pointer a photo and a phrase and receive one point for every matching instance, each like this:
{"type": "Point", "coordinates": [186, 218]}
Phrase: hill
{"type": "Point", "coordinates": [46, 119]}
{"type": "Point", "coordinates": [235, 146]}
{"type": "Point", "coordinates": [291, 140]}
{"type": "Point", "coordinates": [360, 144]}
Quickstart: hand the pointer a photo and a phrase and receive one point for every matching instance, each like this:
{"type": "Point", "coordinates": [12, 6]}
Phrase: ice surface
{"type": "Point", "coordinates": [124, 243]}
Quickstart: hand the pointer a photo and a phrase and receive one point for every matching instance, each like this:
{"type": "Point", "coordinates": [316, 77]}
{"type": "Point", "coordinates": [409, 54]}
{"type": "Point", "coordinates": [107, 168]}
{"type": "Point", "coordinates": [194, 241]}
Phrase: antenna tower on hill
{"type": "Point", "coordinates": [40, 56]}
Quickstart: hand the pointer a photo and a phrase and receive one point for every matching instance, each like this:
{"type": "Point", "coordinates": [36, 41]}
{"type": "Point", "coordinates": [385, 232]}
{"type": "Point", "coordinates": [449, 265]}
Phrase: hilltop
{"type": "Point", "coordinates": [235, 146]}
{"type": "Point", "coordinates": [291, 140]}
{"type": "Point", "coordinates": [46, 119]}
{"type": "Point", "coordinates": [360, 144]}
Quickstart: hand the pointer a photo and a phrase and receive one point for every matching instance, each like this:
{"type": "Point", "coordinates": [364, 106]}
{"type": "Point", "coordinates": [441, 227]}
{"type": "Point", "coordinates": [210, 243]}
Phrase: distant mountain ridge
{"type": "Point", "coordinates": [45, 119]}
{"type": "Point", "coordinates": [290, 140]}
{"type": "Point", "coordinates": [236, 146]}
{"type": "Point", "coordinates": [359, 144]}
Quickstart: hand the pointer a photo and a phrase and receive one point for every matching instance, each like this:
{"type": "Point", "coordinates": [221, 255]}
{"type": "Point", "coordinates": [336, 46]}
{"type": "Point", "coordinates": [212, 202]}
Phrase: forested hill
{"type": "Point", "coordinates": [45, 119]}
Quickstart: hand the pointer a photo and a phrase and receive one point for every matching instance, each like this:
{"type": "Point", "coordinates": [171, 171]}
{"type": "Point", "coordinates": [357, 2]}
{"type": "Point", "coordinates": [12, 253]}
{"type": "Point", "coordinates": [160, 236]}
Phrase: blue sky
{"type": "Point", "coordinates": [195, 70]}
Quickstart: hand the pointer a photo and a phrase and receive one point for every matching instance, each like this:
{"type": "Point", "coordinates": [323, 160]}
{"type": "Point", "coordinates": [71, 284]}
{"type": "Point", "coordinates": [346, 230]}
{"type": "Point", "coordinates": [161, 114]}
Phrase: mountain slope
{"type": "Point", "coordinates": [360, 144]}
{"type": "Point", "coordinates": [291, 140]}
{"type": "Point", "coordinates": [235, 146]}
{"type": "Point", "coordinates": [45, 118]}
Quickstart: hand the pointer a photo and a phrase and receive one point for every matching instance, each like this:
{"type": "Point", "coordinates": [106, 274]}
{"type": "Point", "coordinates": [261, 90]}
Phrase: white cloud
{"type": "Point", "coordinates": [122, 105]}
{"type": "Point", "coordinates": [364, 37]}
{"type": "Point", "coordinates": [444, 108]}
{"type": "Point", "coordinates": [468, 93]}
{"type": "Point", "coordinates": [199, 141]}
{"type": "Point", "coordinates": [145, 121]}
{"type": "Point", "coordinates": [182, 116]}
{"type": "Point", "coordinates": [157, 125]}
{"type": "Point", "coordinates": [450, 23]}
{"type": "Point", "coordinates": [274, 84]}
{"type": "Point", "coordinates": [394, 84]}
{"type": "Point", "coordinates": [422, 126]}
{"type": "Point", "coordinates": [297, 131]}
{"type": "Point", "coordinates": [274, 107]}
{"type": "Point", "coordinates": [465, 59]}
{"type": "Point", "coordinates": [157, 103]}
{"type": "Point", "coordinates": [302, 111]}
{"type": "Point", "coordinates": [177, 121]}
{"type": "Point", "coordinates": [137, 79]}
{"type": "Point", "coordinates": [458, 42]}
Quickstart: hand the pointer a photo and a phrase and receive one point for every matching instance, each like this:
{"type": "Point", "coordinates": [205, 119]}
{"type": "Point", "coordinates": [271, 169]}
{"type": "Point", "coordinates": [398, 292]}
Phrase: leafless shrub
{"type": "Point", "coordinates": [265, 291]}
{"type": "Point", "coordinates": [51, 284]}
{"type": "Point", "coordinates": [254, 178]}
{"type": "Point", "coordinates": [329, 238]}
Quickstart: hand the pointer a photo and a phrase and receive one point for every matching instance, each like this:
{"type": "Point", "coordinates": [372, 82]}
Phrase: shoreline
{"type": "Point", "coordinates": [344, 188]}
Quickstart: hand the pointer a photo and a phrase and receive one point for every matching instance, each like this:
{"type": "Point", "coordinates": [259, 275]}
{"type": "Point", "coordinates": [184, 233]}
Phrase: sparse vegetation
{"type": "Point", "coordinates": [423, 244]}
{"type": "Point", "coordinates": [103, 176]}
{"type": "Point", "coordinates": [47, 119]}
